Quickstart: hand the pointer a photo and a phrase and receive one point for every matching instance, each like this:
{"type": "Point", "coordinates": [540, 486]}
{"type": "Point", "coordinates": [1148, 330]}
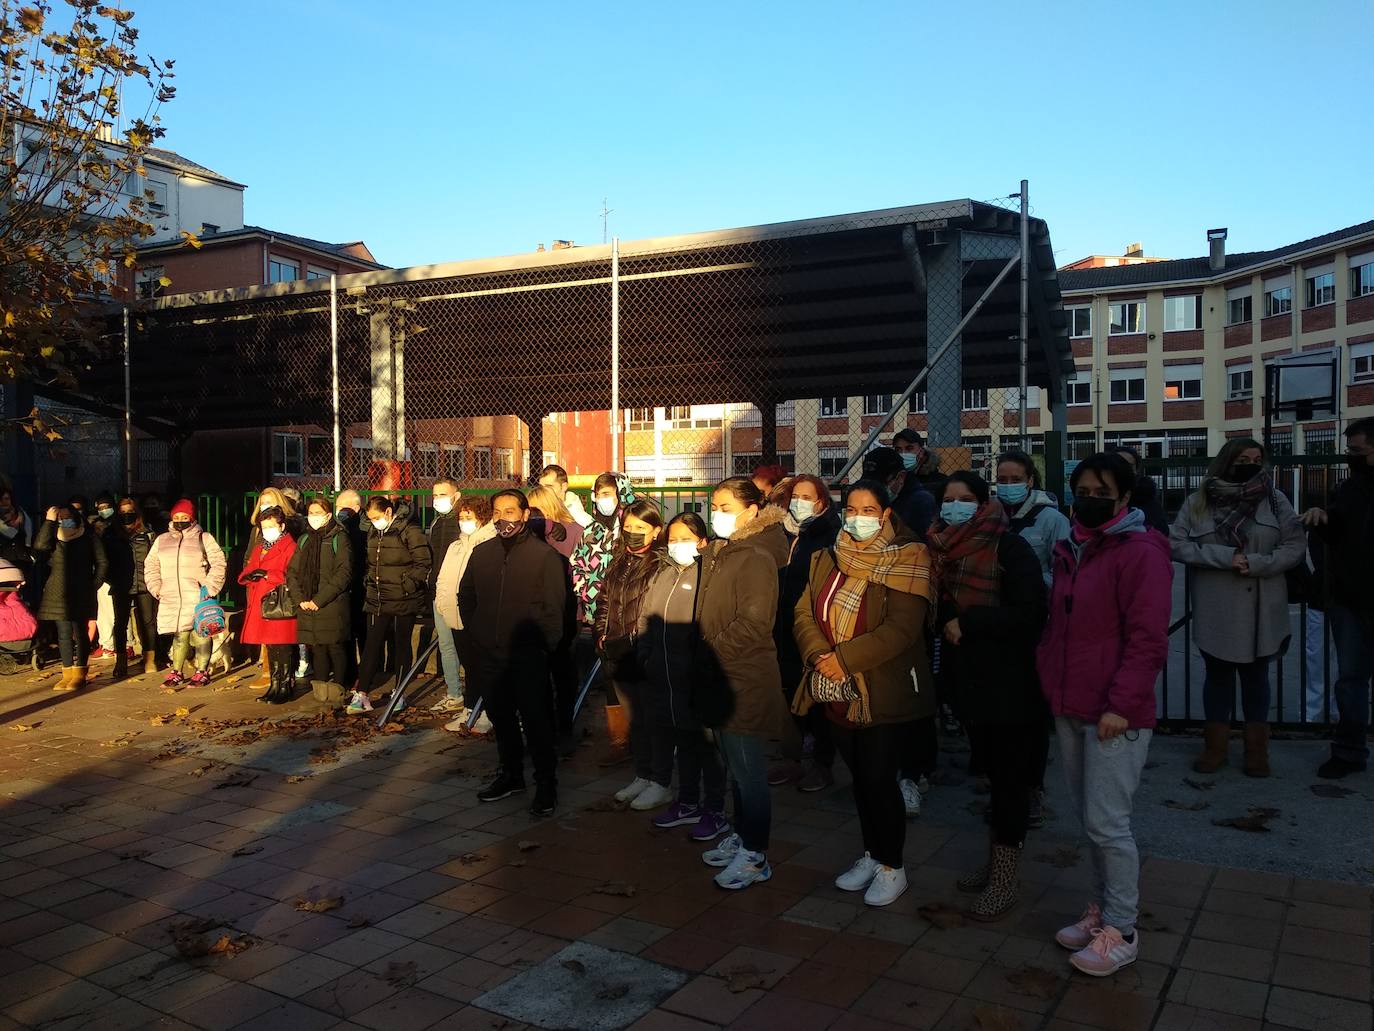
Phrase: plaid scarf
{"type": "Point", "coordinates": [966, 557]}
{"type": "Point", "coordinates": [1234, 505]}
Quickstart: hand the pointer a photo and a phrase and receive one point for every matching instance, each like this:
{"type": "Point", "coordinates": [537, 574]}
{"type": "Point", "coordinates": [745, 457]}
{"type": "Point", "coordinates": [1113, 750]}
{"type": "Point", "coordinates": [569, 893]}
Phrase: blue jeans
{"type": "Point", "coordinates": [448, 656]}
{"type": "Point", "coordinates": [753, 817]}
{"type": "Point", "coordinates": [1353, 633]}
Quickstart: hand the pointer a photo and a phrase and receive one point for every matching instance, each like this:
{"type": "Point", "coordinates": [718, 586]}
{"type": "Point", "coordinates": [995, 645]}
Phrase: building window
{"type": "Point", "coordinates": [1278, 302]}
{"type": "Point", "coordinates": [1181, 313]}
{"type": "Point", "coordinates": [834, 407]}
{"type": "Point", "coordinates": [1319, 442]}
{"type": "Point", "coordinates": [744, 463]}
{"type": "Point", "coordinates": [154, 461]}
{"type": "Point", "coordinates": [975, 399]}
{"type": "Point", "coordinates": [696, 417]}
{"type": "Point", "coordinates": [1127, 317]}
{"type": "Point", "coordinates": [427, 461]}
{"type": "Point", "coordinates": [1240, 384]}
{"type": "Point", "coordinates": [1080, 321]}
{"type": "Point", "coordinates": [504, 467]}
{"type": "Point", "coordinates": [785, 413]}
{"type": "Point", "coordinates": [1183, 383]}
{"type": "Point", "coordinates": [1362, 363]}
{"type": "Point", "coordinates": [155, 193]}
{"type": "Point", "coordinates": [288, 454]}
{"type": "Point", "coordinates": [319, 455]}
{"type": "Point", "coordinates": [1362, 280]}
{"type": "Point", "coordinates": [1321, 289]}
{"type": "Point", "coordinates": [454, 466]}
{"type": "Point", "coordinates": [1079, 389]}
{"type": "Point", "coordinates": [1238, 310]}
{"type": "Point", "coordinates": [831, 460]}
{"type": "Point", "coordinates": [980, 451]}
{"type": "Point", "coordinates": [744, 414]}
{"type": "Point", "coordinates": [877, 404]}
{"type": "Point", "coordinates": [481, 463]}
{"type": "Point", "coordinates": [1280, 443]}
{"type": "Point", "coordinates": [1128, 386]}
{"type": "Point", "coordinates": [639, 419]}
{"type": "Point", "coordinates": [282, 270]}
{"type": "Point", "coordinates": [315, 272]}
{"type": "Point", "coordinates": [148, 282]}
{"type": "Point", "coordinates": [918, 403]}
{"type": "Point", "coordinates": [362, 456]}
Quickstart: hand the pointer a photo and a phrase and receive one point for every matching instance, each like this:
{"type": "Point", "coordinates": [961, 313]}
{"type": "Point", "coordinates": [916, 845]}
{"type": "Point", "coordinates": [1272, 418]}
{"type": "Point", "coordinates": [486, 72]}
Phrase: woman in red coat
{"type": "Point", "coordinates": [264, 569]}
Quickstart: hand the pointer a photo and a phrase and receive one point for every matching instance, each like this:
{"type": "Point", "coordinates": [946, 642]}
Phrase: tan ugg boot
{"type": "Point", "coordinates": [618, 734]}
{"type": "Point", "coordinates": [1257, 749]}
{"type": "Point", "coordinates": [64, 681]}
{"type": "Point", "coordinates": [1214, 746]}
{"type": "Point", "coordinates": [265, 680]}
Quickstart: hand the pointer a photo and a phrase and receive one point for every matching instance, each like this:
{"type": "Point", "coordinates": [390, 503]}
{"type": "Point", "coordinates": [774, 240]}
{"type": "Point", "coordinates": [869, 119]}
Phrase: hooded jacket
{"type": "Point", "coordinates": [512, 600]}
{"type": "Point", "coordinates": [817, 535]}
{"type": "Point", "coordinates": [622, 603]}
{"type": "Point", "coordinates": [1108, 632]}
{"type": "Point", "coordinates": [332, 623]}
{"type": "Point", "coordinates": [180, 563]}
{"type": "Point", "coordinates": [665, 641]}
{"type": "Point", "coordinates": [140, 543]}
{"type": "Point", "coordinates": [451, 570]}
{"type": "Point", "coordinates": [1040, 524]}
{"type": "Point", "coordinates": [736, 613]}
{"type": "Point", "coordinates": [76, 569]}
{"type": "Point", "coordinates": [592, 556]}
{"type": "Point", "coordinates": [398, 561]}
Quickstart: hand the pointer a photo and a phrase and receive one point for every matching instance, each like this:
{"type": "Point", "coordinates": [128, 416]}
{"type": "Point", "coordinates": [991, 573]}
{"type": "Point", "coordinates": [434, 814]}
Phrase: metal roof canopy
{"type": "Point", "coordinates": [830, 306]}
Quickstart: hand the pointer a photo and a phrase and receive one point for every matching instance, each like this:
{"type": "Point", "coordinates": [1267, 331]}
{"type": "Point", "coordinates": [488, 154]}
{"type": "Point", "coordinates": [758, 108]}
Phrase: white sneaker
{"type": "Point", "coordinates": [1107, 953]}
{"type": "Point", "coordinates": [745, 869]}
{"type": "Point", "coordinates": [652, 797]}
{"type": "Point", "coordinates": [448, 704]}
{"type": "Point", "coordinates": [859, 876]}
{"type": "Point", "coordinates": [303, 670]}
{"type": "Point", "coordinates": [459, 723]}
{"type": "Point", "coordinates": [1079, 935]}
{"type": "Point", "coordinates": [482, 726]}
{"type": "Point", "coordinates": [359, 704]}
{"type": "Point", "coordinates": [632, 790]}
{"type": "Point", "coordinates": [911, 797]}
{"type": "Point", "coordinates": [888, 886]}
{"type": "Point", "coordinates": [724, 852]}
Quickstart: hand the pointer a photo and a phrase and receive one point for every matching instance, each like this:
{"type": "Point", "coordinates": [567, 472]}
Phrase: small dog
{"type": "Point", "coordinates": [222, 652]}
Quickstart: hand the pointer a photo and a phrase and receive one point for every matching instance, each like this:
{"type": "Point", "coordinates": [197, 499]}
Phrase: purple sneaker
{"type": "Point", "coordinates": [678, 814]}
{"type": "Point", "coordinates": [711, 826]}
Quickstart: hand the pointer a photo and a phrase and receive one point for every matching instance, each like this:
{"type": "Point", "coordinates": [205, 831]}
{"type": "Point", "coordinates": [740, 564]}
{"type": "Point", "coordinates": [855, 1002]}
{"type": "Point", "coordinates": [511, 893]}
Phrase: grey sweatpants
{"type": "Point", "coordinates": [1102, 777]}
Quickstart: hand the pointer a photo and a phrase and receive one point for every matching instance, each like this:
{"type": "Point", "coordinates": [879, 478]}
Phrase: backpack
{"type": "Point", "coordinates": [208, 619]}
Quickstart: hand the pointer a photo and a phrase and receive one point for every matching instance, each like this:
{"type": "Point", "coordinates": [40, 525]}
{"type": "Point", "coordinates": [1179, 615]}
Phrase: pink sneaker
{"type": "Point", "coordinates": [1080, 935]}
{"type": "Point", "coordinates": [1107, 954]}
{"type": "Point", "coordinates": [200, 678]}
{"type": "Point", "coordinates": [174, 679]}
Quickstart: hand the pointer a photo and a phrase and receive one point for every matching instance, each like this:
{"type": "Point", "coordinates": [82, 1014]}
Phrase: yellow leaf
{"type": "Point", "coordinates": [32, 19]}
{"type": "Point", "coordinates": [163, 281]}
{"type": "Point", "coordinates": [21, 727]}
{"type": "Point", "coordinates": [191, 239]}
{"type": "Point", "coordinates": [183, 712]}
{"type": "Point", "coordinates": [130, 259]}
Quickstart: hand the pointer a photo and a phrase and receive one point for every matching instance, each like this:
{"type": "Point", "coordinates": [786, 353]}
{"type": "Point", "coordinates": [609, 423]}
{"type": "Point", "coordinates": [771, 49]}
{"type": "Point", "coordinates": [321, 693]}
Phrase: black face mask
{"type": "Point", "coordinates": [1244, 472]}
{"type": "Point", "coordinates": [128, 518]}
{"type": "Point", "coordinates": [634, 540]}
{"type": "Point", "coordinates": [1359, 464]}
{"type": "Point", "coordinates": [1093, 512]}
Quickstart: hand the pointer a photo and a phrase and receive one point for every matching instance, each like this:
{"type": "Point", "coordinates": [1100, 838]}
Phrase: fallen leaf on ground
{"type": "Point", "coordinates": [360, 921]}
{"type": "Point", "coordinates": [619, 888]}
{"type": "Point", "coordinates": [22, 727]}
{"type": "Point", "coordinates": [194, 926]}
{"type": "Point", "coordinates": [162, 719]}
{"type": "Point", "coordinates": [123, 739]}
{"type": "Point", "coordinates": [296, 778]}
{"type": "Point", "coordinates": [742, 978]}
{"type": "Point", "coordinates": [394, 728]}
{"type": "Point", "coordinates": [247, 850]}
{"type": "Point", "coordinates": [75, 803]}
{"type": "Point", "coordinates": [1199, 785]}
{"type": "Point", "coordinates": [1186, 807]}
{"type": "Point", "coordinates": [607, 805]}
{"type": "Point", "coordinates": [528, 846]}
{"type": "Point", "coordinates": [1063, 858]}
{"type": "Point", "coordinates": [574, 966]}
{"type": "Point", "coordinates": [183, 711]}
{"type": "Point", "coordinates": [1256, 820]}
{"type": "Point", "coordinates": [237, 780]}
{"type": "Point", "coordinates": [196, 947]}
{"type": "Point", "coordinates": [402, 975]}
{"type": "Point", "coordinates": [469, 858]}
{"type": "Point", "coordinates": [323, 905]}
{"type": "Point", "coordinates": [942, 916]}
{"type": "Point", "coordinates": [1036, 982]}
{"type": "Point", "coordinates": [517, 863]}
{"type": "Point", "coordinates": [614, 991]}
{"type": "Point", "coordinates": [137, 853]}
{"type": "Point", "coordinates": [170, 690]}
{"type": "Point", "coordinates": [1331, 791]}
{"type": "Point", "coordinates": [994, 1018]}
{"type": "Point", "coordinates": [201, 771]}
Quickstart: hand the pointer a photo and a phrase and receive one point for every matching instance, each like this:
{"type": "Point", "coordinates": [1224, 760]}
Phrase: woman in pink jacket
{"type": "Point", "coordinates": [264, 569]}
{"type": "Point", "coordinates": [1104, 646]}
{"type": "Point", "coordinates": [181, 563]}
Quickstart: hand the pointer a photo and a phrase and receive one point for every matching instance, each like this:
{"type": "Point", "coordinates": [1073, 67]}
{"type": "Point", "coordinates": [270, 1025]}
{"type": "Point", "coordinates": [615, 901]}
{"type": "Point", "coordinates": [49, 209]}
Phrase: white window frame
{"type": "Point", "coordinates": [1127, 376]}
{"type": "Point", "coordinates": [427, 461]}
{"type": "Point", "coordinates": [830, 459]}
{"type": "Point", "coordinates": [884, 399]}
{"type": "Point", "coordinates": [1246, 301]}
{"type": "Point", "coordinates": [314, 272]}
{"type": "Point", "coordinates": [635, 419]}
{"type": "Point", "coordinates": [275, 262]}
{"type": "Point", "coordinates": [481, 459]}
{"type": "Point", "coordinates": [362, 455]}
{"type": "Point", "coordinates": [148, 282]}
{"type": "Point", "coordinates": [289, 443]}
{"type": "Point", "coordinates": [1242, 392]}
{"type": "Point", "coordinates": [1073, 314]}
{"type": "Point", "coordinates": [156, 194]}
{"type": "Point", "coordinates": [834, 407]}
{"type": "Point", "coordinates": [1182, 313]}
{"type": "Point", "coordinates": [973, 399]}
{"type": "Point", "coordinates": [454, 470]}
{"type": "Point", "coordinates": [502, 463]}
{"type": "Point", "coordinates": [1362, 275]}
{"type": "Point", "coordinates": [1362, 363]}
{"type": "Point", "coordinates": [1139, 306]}
{"type": "Point", "coordinates": [1184, 376]}
{"type": "Point", "coordinates": [1081, 378]}
{"type": "Point", "coordinates": [1321, 289]}
{"type": "Point", "coordinates": [1278, 299]}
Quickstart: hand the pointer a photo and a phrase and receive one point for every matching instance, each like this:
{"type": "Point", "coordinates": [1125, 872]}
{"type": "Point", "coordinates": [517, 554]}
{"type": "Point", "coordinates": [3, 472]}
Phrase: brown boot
{"type": "Point", "coordinates": [265, 680]}
{"type": "Point", "coordinates": [618, 733]}
{"type": "Point", "coordinates": [1214, 745]}
{"type": "Point", "coordinates": [1257, 749]}
{"type": "Point", "coordinates": [78, 680]}
{"type": "Point", "coordinates": [150, 662]}
{"type": "Point", "coordinates": [64, 681]}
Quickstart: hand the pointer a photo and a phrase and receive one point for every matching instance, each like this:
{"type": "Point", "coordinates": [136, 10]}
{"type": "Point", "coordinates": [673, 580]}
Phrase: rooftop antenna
{"type": "Point", "coordinates": [605, 218]}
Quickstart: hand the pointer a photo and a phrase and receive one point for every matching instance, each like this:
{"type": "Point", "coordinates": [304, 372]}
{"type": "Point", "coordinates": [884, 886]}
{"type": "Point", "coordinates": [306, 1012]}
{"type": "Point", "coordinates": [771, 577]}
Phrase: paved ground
{"type": "Point", "coordinates": [213, 872]}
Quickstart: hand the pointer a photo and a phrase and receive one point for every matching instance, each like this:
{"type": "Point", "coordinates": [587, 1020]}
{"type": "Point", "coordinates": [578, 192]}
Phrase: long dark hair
{"type": "Point", "coordinates": [649, 513]}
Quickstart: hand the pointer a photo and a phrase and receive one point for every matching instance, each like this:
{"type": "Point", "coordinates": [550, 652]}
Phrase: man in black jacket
{"type": "Point", "coordinates": [443, 531]}
{"type": "Point", "coordinates": [1346, 527]}
{"type": "Point", "coordinates": [911, 502]}
{"type": "Point", "coordinates": [348, 508]}
{"type": "Point", "coordinates": [1145, 494]}
{"type": "Point", "coordinates": [512, 601]}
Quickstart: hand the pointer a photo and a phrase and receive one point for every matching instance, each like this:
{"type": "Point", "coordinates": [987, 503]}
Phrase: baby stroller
{"type": "Point", "coordinates": [18, 628]}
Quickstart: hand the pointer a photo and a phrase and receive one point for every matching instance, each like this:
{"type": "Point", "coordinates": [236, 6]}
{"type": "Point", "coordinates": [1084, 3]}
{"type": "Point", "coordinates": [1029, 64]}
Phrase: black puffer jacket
{"type": "Point", "coordinates": [76, 568]}
{"type": "Point", "coordinates": [333, 622]}
{"type": "Point", "coordinates": [119, 559]}
{"type": "Point", "coordinates": [140, 543]}
{"type": "Point", "coordinates": [1349, 538]}
{"type": "Point", "coordinates": [442, 532]}
{"type": "Point", "coordinates": [513, 600]}
{"type": "Point", "coordinates": [398, 563]}
{"type": "Point", "coordinates": [617, 616]}
{"type": "Point", "coordinates": [817, 535]}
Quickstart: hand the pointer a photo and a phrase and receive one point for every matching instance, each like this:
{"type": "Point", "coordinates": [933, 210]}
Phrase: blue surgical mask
{"type": "Point", "coordinates": [956, 512]}
{"type": "Point", "coordinates": [1013, 493]}
{"type": "Point", "coordinates": [862, 528]}
{"type": "Point", "coordinates": [607, 506]}
{"type": "Point", "coordinates": [69, 524]}
{"type": "Point", "coordinates": [802, 510]}
{"type": "Point", "coordinates": [910, 460]}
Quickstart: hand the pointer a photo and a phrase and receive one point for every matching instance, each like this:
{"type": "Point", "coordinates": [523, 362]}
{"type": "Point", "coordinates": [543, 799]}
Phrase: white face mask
{"type": "Point", "coordinates": [684, 553]}
{"type": "Point", "coordinates": [801, 509]}
{"type": "Point", "coordinates": [443, 505]}
{"type": "Point", "coordinates": [723, 524]}
{"type": "Point", "coordinates": [271, 534]}
{"type": "Point", "coordinates": [381, 523]}
{"type": "Point", "coordinates": [467, 527]}
{"type": "Point", "coordinates": [607, 506]}
{"type": "Point", "coordinates": [316, 520]}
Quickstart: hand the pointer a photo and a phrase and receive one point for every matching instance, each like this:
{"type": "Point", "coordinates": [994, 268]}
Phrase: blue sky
{"type": "Point", "coordinates": [440, 131]}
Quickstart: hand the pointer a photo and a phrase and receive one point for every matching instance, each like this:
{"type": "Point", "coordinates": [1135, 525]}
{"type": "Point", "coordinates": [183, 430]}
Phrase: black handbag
{"type": "Point", "coordinates": [278, 603]}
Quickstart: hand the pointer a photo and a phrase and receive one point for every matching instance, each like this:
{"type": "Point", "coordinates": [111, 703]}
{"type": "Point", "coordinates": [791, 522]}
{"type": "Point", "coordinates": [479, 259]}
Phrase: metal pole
{"type": "Point", "coordinates": [334, 362]}
{"type": "Point", "coordinates": [128, 414]}
{"type": "Point", "coordinates": [615, 352]}
{"type": "Point", "coordinates": [1025, 305]}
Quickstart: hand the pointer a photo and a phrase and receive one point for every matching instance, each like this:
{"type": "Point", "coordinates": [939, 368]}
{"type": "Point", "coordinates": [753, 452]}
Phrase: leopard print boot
{"type": "Point", "coordinates": [999, 897]}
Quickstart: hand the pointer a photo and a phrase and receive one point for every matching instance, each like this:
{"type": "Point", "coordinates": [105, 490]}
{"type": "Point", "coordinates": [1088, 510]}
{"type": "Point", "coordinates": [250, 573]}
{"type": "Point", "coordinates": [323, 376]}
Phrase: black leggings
{"type": "Point", "coordinates": [285, 654]}
{"type": "Point", "coordinates": [1010, 754]}
{"type": "Point", "coordinates": [873, 755]}
{"type": "Point", "coordinates": [145, 618]}
{"type": "Point", "coordinates": [120, 603]}
{"type": "Point", "coordinates": [330, 661]}
{"type": "Point", "coordinates": [381, 630]}
{"type": "Point", "coordinates": [920, 748]}
{"type": "Point", "coordinates": [73, 643]}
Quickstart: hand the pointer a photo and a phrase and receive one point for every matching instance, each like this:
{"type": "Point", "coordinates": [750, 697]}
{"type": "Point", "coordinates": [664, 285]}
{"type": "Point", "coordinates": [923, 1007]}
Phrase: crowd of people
{"type": "Point", "coordinates": [843, 626]}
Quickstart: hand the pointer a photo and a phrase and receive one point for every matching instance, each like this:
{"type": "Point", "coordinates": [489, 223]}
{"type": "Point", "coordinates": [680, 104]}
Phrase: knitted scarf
{"type": "Point", "coordinates": [1234, 505]}
{"type": "Point", "coordinates": [314, 542]}
{"type": "Point", "coordinates": [966, 557]}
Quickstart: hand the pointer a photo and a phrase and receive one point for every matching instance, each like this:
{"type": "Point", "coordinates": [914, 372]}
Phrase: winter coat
{"type": "Point", "coordinates": [76, 569]}
{"type": "Point", "coordinates": [16, 621]}
{"type": "Point", "coordinates": [512, 601]}
{"type": "Point", "coordinates": [914, 506]}
{"type": "Point", "coordinates": [451, 570]}
{"type": "Point", "coordinates": [989, 676]}
{"type": "Point", "coordinates": [333, 622]}
{"type": "Point", "coordinates": [140, 544]}
{"type": "Point", "coordinates": [592, 556]}
{"type": "Point", "coordinates": [1108, 632]}
{"type": "Point", "coordinates": [1040, 524]}
{"type": "Point", "coordinates": [665, 642]}
{"type": "Point", "coordinates": [890, 653]}
{"type": "Point", "coordinates": [178, 566]}
{"type": "Point", "coordinates": [817, 535]}
{"type": "Point", "coordinates": [398, 562]}
{"type": "Point", "coordinates": [442, 532]}
{"type": "Point", "coordinates": [1349, 538]}
{"type": "Point", "coordinates": [356, 530]}
{"type": "Point", "coordinates": [617, 616]}
{"type": "Point", "coordinates": [1145, 496]}
{"type": "Point", "coordinates": [274, 562]}
{"type": "Point", "coordinates": [737, 660]}
{"type": "Point", "coordinates": [1240, 617]}
{"type": "Point", "coordinates": [119, 559]}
